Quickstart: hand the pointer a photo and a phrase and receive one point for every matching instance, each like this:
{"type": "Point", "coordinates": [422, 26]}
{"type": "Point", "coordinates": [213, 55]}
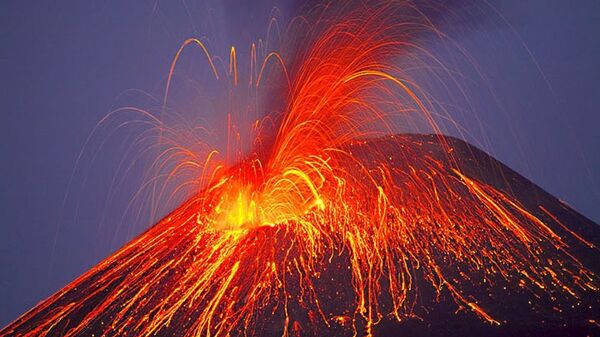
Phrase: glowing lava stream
{"type": "Point", "coordinates": [260, 234]}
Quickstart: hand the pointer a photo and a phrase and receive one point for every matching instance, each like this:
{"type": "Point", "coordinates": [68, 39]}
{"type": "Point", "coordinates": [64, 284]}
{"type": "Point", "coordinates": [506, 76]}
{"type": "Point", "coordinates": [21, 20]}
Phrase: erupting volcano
{"type": "Point", "coordinates": [332, 225]}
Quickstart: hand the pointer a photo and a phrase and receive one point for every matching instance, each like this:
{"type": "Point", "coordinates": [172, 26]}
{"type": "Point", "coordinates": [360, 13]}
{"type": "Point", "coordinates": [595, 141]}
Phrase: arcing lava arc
{"type": "Point", "coordinates": [331, 225]}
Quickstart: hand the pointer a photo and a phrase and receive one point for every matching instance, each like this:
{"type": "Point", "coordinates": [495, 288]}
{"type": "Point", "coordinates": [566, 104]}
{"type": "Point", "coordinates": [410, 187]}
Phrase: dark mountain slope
{"type": "Point", "coordinates": [107, 301]}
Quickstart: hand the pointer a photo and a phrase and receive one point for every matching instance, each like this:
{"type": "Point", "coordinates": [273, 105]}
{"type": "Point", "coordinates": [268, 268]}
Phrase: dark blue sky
{"type": "Point", "coordinates": [64, 65]}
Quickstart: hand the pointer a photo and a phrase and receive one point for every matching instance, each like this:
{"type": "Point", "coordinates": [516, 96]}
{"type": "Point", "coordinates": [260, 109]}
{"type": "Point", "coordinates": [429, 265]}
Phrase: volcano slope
{"type": "Point", "coordinates": [172, 281]}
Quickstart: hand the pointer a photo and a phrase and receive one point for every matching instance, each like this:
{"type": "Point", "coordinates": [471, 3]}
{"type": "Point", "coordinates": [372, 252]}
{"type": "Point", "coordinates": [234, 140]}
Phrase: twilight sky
{"type": "Point", "coordinates": [65, 64]}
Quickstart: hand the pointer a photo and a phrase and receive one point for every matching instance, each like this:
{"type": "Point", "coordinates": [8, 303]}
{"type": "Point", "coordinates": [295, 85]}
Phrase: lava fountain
{"type": "Point", "coordinates": [258, 239]}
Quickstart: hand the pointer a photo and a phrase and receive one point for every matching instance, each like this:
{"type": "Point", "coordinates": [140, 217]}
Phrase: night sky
{"type": "Point", "coordinates": [65, 64]}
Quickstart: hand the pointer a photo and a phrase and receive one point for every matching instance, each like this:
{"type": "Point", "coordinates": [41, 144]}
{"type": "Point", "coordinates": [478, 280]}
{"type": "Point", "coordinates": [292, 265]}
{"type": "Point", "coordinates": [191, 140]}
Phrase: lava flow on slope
{"type": "Point", "coordinates": [327, 226]}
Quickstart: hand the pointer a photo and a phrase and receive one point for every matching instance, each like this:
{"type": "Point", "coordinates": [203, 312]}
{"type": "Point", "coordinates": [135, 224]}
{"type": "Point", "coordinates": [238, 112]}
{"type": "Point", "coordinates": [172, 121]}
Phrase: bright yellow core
{"type": "Point", "coordinates": [286, 198]}
{"type": "Point", "coordinates": [237, 211]}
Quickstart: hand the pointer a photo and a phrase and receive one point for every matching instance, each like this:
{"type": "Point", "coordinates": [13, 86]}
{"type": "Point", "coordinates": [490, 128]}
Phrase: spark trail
{"type": "Point", "coordinates": [312, 194]}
